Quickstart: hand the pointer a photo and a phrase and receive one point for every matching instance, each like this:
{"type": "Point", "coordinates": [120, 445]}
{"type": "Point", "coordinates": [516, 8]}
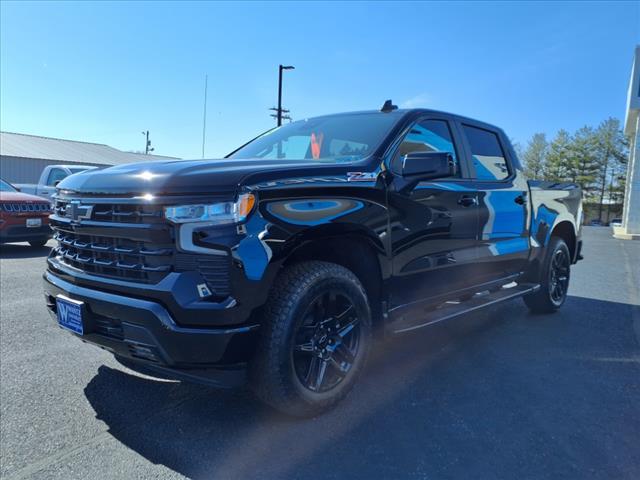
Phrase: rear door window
{"type": "Point", "coordinates": [488, 158]}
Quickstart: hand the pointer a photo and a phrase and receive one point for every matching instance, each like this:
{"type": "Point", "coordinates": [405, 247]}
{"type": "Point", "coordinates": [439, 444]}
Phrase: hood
{"type": "Point", "coordinates": [184, 177]}
{"type": "Point", "coordinates": [20, 197]}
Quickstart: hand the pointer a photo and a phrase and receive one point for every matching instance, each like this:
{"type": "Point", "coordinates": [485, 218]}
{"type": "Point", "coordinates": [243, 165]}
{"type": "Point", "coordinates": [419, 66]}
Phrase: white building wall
{"type": "Point", "coordinates": [631, 215]}
{"type": "Point", "coordinates": [631, 210]}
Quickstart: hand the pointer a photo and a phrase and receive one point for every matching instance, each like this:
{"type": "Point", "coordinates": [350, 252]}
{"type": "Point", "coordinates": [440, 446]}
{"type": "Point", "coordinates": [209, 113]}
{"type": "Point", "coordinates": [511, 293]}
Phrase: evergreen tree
{"type": "Point", "coordinates": [583, 161]}
{"type": "Point", "coordinates": [535, 156]}
{"type": "Point", "coordinates": [557, 166]}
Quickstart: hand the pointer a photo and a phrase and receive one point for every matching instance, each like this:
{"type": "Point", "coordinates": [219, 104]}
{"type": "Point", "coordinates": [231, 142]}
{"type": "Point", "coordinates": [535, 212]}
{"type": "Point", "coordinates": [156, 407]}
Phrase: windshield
{"type": "Point", "coordinates": [5, 187]}
{"type": "Point", "coordinates": [334, 138]}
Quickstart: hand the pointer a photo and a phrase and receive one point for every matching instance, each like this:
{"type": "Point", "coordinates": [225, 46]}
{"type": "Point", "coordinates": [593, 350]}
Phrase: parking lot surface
{"type": "Point", "coordinates": [497, 394]}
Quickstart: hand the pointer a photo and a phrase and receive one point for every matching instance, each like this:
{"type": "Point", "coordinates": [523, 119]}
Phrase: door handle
{"type": "Point", "coordinates": [520, 199]}
{"type": "Point", "coordinates": [467, 200]}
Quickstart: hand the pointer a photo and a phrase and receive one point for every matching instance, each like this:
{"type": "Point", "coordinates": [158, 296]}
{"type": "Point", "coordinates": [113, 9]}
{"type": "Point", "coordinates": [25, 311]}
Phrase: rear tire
{"type": "Point", "coordinates": [38, 243]}
{"type": "Point", "coordinates": [554, 279]}
{"type": "Point", "coordinates": [314, 341]}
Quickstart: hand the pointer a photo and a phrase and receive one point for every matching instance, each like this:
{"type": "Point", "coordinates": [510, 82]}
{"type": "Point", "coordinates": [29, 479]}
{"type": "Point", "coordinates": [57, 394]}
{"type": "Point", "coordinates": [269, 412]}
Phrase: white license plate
{"type": "Point", "coordinates": [34, 222]}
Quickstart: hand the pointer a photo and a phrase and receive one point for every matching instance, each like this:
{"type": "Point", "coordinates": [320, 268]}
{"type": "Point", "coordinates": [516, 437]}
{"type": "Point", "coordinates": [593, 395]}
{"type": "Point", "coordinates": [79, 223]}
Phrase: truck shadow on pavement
{"type": "Point", "coordinates": [23, 250]}
{"type": "Point", "coordinates": [502, 394]}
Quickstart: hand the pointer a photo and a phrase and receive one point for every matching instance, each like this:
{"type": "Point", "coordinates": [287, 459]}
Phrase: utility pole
{"type": "Point", "coordinates": [279, 110]}
{"type": "Point", "coordinates": [147, 145]}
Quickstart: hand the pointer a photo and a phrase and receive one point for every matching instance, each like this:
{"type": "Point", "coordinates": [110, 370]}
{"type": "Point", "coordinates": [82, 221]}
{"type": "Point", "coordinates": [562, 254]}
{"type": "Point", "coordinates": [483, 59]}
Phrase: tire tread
{"type": "Point", "coordinates": [539, 302]}
{"type": "Point", "coordinates": [267, 379]}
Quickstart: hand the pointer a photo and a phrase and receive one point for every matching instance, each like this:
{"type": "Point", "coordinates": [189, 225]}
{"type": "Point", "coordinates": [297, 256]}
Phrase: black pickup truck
{"type": "Point", "coordinates": [280, 264]}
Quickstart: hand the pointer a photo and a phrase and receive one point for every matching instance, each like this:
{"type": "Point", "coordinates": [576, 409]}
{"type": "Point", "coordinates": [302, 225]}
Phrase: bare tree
{"type": "Point", "coordinates": [611, 153]}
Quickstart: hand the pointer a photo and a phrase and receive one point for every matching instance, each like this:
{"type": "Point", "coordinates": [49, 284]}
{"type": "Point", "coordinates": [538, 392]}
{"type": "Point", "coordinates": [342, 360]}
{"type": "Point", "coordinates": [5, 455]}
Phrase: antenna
{"type": "Point", "coordinates": [204, 114]}
{"type": "Point", "coordinates": [388, 107]}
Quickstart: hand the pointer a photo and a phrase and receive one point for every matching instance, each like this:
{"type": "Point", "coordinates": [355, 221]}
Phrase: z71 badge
{"type": "Point", "coordinates": [361, 176]}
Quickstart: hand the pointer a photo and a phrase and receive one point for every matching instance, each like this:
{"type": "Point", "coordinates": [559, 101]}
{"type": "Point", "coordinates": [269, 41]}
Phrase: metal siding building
{"type": "Point", "coordinates": [23, 157]}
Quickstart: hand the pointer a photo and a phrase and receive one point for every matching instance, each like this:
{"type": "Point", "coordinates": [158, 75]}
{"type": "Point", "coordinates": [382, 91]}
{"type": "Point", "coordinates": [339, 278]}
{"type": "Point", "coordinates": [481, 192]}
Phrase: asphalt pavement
{"type": "Point", "coordinates": [499, 394]}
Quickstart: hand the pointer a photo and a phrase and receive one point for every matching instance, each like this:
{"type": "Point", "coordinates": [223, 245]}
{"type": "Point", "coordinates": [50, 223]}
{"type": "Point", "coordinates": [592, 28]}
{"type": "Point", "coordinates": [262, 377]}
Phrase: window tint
{"type": "Point", "coordinates": [334, 138]}
{"type": "Point", "coordinates": [56, 175]}
{"type": "Point", "coordinates": [341, 148]}
{"type": "Point", "coordinates": [488, 158]}
{"type": "Point", "coordinates": [295, 146]}
{"type": "Point", "coordinates": [428, 136]}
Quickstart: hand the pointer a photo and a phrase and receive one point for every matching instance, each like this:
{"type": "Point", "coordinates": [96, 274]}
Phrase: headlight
{"type": "Point", "coordinates": [220, 213]}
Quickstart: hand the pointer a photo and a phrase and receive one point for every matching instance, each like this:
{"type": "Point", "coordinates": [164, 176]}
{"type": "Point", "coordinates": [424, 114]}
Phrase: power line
{"type": "Point", "coordinates": [283, 116]}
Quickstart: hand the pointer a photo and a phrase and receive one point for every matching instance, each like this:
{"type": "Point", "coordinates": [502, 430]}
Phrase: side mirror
{"type": "Point", "coordinates": [17, 188]}
{"type": "Point", "coordinates": [55, 184]}
{"type": "Point", "coordinates": [418, 166]}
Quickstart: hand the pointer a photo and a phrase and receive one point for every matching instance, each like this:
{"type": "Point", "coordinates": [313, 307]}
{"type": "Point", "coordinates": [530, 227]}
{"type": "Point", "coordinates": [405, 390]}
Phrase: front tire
{"type": "Point", "coordinates": [314, 341]}
{"type": "Point", "coordinates": [555, 275]}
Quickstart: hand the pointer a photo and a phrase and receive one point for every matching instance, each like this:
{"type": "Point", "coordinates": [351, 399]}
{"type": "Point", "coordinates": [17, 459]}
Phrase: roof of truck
{"type": "Point", "coordinates": [400, 112]}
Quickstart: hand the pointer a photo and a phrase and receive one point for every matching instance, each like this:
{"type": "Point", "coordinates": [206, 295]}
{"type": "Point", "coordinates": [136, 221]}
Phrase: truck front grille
{"type": "Point", "coordinates": [111, 212]}
{"type": "Point", "coordinates": [26, 207]}
{"type": "Point", "coordinates": [115, 257]}
{"type": "Point", "coordinates": [131, 242]}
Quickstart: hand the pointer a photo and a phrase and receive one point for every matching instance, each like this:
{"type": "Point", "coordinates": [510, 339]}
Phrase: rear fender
{"type": "Point", "coordinates": [552, 204]}
{"type": "Point", "coordinates": [552, 207]}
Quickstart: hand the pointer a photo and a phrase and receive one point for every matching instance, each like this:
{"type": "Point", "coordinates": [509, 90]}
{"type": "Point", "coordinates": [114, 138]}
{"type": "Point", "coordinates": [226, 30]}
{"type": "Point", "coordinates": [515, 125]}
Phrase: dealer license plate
{"type": "Point", "coordinates": [70, 314]}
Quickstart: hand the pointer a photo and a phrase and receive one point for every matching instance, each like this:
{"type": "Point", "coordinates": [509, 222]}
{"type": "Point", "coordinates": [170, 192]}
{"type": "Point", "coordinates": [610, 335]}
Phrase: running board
{"type": "Point", "coordinates": [452, 309]}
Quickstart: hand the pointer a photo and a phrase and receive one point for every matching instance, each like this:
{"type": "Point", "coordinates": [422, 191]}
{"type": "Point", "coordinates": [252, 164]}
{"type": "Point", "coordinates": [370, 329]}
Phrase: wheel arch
{"type": "Point", "coordinates": [567, 232]}
{"type": "Point", "coordinates": [353, 248]}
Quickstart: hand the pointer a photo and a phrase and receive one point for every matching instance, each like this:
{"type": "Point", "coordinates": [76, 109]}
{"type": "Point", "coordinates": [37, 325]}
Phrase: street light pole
{"type": "Point", "coordinates": [280, 69]}
{"type": "Point", "coordinates": [280, 95]}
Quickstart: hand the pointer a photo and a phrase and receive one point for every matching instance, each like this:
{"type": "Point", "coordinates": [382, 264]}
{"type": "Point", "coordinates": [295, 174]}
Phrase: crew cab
{"type": "Point", "coordinates": [49, 178]}
{"type": "Point", "coordinates": [279, 264]}
{"type": "Point", "coordinates": [23, 218]}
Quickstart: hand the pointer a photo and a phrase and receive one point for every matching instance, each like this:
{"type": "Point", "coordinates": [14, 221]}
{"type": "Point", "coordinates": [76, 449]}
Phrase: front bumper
{"type": "Point", "coordinates": [143, 331]}
{"type": "Point", "coordinates": [21, 233]}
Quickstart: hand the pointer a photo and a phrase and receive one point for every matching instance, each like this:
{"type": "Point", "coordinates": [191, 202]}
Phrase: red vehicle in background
{"type": "Point", "coordinates": [23, 217]}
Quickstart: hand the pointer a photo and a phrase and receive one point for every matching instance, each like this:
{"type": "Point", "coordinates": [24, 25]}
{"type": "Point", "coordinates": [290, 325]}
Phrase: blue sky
{"type": "Point", "coordinates": [103, 72]}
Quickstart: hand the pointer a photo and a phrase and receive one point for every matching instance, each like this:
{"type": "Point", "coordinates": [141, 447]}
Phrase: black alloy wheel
{"type": "Point", "coordinates": [559, 276]}
{"type": "Point", "coordinates": [326, 343]}
{"type": "Point", "coordinates": [554, 279]}
{"type": "Point", "coordinates": [314, 340]}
